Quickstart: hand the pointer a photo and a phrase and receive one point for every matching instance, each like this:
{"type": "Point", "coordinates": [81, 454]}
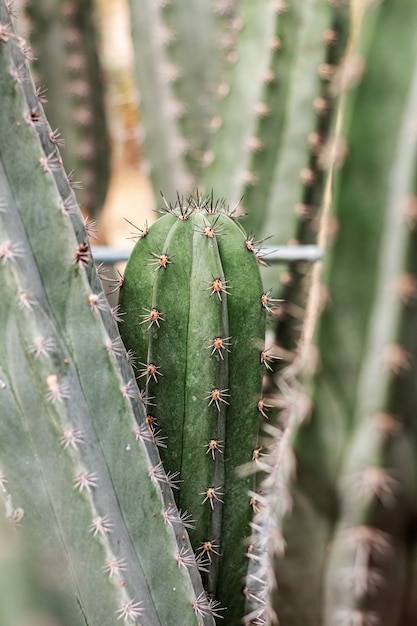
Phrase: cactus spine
{"type": "Point", "coordinates": [194, 317]}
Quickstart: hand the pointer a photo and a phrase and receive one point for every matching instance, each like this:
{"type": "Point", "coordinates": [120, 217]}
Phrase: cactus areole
{"type": "Point", "coordinates": [194, 314]}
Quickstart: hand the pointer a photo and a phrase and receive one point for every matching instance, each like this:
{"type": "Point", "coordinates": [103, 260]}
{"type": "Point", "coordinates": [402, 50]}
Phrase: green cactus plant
{"type": "Point", "coordinates": [64, 40]}
{"type": "Point", "coordinates": [178, 71]}
{"type": "Point", "coordinates": [194, 314]}
{"type": "Point", "coordinates": [267, 153]}
{"type": "Point", "coordinates": [353, 493]}
{"type": "Point", "coordinates": [27, 595]}
{"type": "Point", "coordinates": [231, 146]}
{"type": "Point", "coordinates": [72, 455]}
{"type": "Point", "coordinates": [282, 171]}
{"type": "Point", "coordinates": [333, 539]}
{"type": "Point", "coordinates": [376, 487]}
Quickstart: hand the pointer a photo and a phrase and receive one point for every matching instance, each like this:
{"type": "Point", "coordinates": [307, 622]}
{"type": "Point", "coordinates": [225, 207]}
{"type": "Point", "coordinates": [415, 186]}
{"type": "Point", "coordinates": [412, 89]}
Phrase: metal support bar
{"type": "Point", "coordinates": [282, 254]}
{"type": "Point", "coordinates": [286, 254]}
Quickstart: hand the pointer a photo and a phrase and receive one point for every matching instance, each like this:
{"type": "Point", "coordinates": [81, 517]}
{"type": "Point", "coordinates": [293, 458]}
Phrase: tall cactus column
{"type": "Point", "coordinates": [348, 535]}
{"type": "Point", "coordinates": [74, 476]}
{"type": "Point", "coordinates": [192, 299]}
{"type": "Point", "coordinates": [66, 62]}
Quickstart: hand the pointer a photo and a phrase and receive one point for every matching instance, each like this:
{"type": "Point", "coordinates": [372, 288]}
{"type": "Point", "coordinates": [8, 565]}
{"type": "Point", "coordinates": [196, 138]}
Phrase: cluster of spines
{"type": "Point", "coordinates": [56, 366]}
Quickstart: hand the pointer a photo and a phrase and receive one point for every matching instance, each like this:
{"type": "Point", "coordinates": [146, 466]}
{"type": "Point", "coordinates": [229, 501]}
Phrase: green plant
{"type": "Point", "coordinates": [350, 539]}
{"type": "Point", "coordinates": [64, 47]}
{"type": "Point", "coordinates": [194, 315]}
{"type": "Point", "coordinates": [333, 539]}
{"type": "Point", "coordinates": [271, 158]}
{"type": "Point", "coordinates": [74, 471]}
{"type": "Point", "coordinates": [178, 69]}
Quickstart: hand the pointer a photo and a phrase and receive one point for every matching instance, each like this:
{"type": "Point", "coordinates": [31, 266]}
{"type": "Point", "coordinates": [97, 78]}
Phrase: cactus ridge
{"type": "Point", "coordinates": [200, 340]}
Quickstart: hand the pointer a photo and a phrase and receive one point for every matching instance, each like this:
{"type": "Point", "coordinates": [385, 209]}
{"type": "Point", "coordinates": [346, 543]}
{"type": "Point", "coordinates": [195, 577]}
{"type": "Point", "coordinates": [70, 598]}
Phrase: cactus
{"type": "Point", "coordinates": [283, 171]}
{"type": "Point", "coordinates": [81, 477]}
{"type": "Point", "coordinates": [287, 170]}
{"type": "Point", "coordinates": [27, 596]}
{"type": "Point", "coordinates": [72, 455]}
{"type": "Point", "coordinates": [178, 71]}
{"type": "Point", "coordinates": [376, 487]}
{"type": "Point", "coordinates": [269, 152]}
{"type": "Point", "coordinates": [64, 38]}
{"type": "Point", "coordinates": [231, 145]}
{"type": "Point", "coordinates": [353, 493]}
{"type": "Point", "coordinates": [194, 316]}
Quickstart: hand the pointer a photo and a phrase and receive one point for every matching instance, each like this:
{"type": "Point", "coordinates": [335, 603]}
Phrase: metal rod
{"type": "Point", "coordinates": [285, 254]}
{"type": "Point", "coordinates": [281, 254]}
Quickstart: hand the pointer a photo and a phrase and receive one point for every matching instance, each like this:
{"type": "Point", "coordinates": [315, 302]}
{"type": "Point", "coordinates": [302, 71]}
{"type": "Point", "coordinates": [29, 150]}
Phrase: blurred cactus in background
{"type": "Point", "coordinates": [302, 115]}
{"type": "Point", "coordinates": [64, 45]}
{"type": "Point", "coordinates": [347, 512]}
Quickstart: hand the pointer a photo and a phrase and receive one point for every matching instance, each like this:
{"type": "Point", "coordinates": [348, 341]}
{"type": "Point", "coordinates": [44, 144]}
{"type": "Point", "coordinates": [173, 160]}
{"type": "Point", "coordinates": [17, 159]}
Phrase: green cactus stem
{"type": "Point", "coordinates": [192, 40]}
{"type": "Point", "coordinates": [74, 461]}
{"type": "Point", "coordinates": [194, 317]}
{"type": "Point", "coordinates": [26, 596]}
{"type": "Point", "coordinates": [353, 492]}
{"type": "Point", "coordinates": [378, 480]}
{"type": "Point", "coordinates": [294, 147]}
{"type": "Point", "coordinates": [280, 163]}
{"type": "Point", "coordinates": [231, 145]}
{"type": "Point", "coordinates": [66, 63]}
{"type": "Point", "coordinates": [164, 142]}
